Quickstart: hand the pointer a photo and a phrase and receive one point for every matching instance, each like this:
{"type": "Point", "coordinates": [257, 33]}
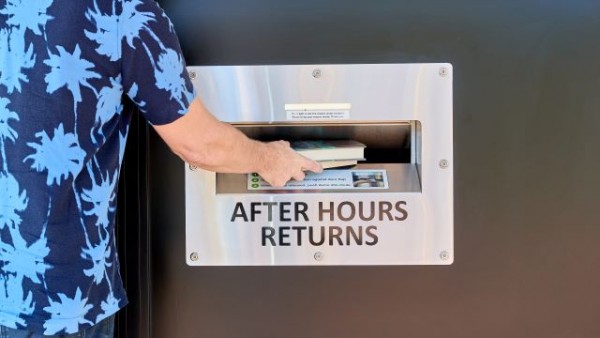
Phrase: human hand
{"type": "Point", "coordinates": [280, 163]}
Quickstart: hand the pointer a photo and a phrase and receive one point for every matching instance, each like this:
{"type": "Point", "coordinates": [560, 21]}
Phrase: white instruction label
{"type": "Point", "coordinates": [317, 115]}
{"type": "Point", "coordinates": [351, 179]}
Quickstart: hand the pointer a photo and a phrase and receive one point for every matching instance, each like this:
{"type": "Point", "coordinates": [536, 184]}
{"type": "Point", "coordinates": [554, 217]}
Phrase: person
{"type": "Point", "coordinates": [64, 68]}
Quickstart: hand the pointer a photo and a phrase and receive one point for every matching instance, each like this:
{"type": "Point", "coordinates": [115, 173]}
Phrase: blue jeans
{"type": "Point", "coordinates": [104, 329]}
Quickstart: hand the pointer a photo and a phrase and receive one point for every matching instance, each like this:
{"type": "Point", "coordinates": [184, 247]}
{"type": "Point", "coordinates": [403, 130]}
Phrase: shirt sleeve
{"type": "Point", "coordinates": [152, 65]}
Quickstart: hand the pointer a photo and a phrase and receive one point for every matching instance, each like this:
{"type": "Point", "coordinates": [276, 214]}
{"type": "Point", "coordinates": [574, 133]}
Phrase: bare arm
{"type": "Point", "coordinates": [202, 140]}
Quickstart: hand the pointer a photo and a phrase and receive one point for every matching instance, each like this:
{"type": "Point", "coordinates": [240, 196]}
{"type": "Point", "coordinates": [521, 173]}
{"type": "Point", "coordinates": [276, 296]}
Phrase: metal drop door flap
{"type": "Point", "coordinates": [395, 207]}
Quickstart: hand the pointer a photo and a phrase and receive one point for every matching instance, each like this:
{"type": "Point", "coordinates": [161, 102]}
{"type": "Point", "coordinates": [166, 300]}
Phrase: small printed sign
{"type": "Point", "coordinates": [329, 180]}
{"type": "Point", "coordinates": [317, 115]}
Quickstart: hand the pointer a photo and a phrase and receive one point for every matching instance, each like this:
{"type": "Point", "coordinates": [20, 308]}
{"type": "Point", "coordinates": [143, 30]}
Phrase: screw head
{"type": "Point", "coordinates": [444, 255]}
{"type": "Point", "coordinates": [317, 73]}
{"type": "Point", "coordinates": [318, 256]}
{"type": "Point", "coordinates": [444, 164]}
{"type": "Point", "coordinates": [194, 256]}
{"type": "Point", "coordinates": [192, 167]}
{"type": "Point", "coordinates": [192, 75]}
{"type": "Point", "coordinates": [444, 71]}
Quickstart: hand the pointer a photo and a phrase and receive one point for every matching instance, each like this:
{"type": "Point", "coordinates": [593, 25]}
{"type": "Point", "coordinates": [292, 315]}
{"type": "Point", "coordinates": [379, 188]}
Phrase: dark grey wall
{"type": "Point", "coordinates": [527, 167]}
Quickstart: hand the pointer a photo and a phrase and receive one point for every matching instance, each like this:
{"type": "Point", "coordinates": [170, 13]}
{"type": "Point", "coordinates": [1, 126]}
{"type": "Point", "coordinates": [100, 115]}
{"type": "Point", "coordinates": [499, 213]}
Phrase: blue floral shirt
{"type": "Point", "coordinates": [64, 67]}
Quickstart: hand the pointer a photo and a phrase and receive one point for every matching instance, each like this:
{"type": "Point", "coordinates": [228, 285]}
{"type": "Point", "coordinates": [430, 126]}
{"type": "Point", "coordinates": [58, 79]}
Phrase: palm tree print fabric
{"type": "Point", "coordinates": [64, 67]}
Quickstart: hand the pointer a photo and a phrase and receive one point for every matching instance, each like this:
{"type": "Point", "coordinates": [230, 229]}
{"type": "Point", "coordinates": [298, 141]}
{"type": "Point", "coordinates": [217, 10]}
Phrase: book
{"type": "Point", "coordinates": [338, 163]}
{"type": "Point", "coordinates": [330, 150]}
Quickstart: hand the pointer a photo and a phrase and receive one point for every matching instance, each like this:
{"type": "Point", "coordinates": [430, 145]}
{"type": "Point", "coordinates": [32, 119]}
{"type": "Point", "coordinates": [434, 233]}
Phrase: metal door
{"type": "Point", "coordinates": [526, 166]}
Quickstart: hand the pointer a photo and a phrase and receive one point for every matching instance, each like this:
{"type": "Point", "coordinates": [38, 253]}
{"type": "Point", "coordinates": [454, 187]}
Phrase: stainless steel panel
{"type": "Point", "coordinates": [383, 104]}
{"type": "Point", "coordinates": [376, 92]}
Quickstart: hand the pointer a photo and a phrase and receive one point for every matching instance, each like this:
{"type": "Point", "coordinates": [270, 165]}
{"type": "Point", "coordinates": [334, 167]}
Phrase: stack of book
{"type": "Point", "coordinates": [332, 153]}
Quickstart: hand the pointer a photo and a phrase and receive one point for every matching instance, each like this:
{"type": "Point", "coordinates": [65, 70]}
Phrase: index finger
{"type": "Point", "coordinates": [312, 166]}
